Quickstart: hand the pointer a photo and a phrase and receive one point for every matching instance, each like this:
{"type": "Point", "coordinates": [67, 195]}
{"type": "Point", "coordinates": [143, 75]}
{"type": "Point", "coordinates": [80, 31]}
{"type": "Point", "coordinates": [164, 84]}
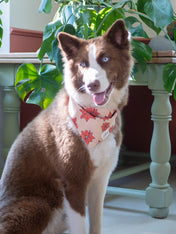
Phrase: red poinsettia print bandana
{"type": "Point", "coordinates": [93, 124]}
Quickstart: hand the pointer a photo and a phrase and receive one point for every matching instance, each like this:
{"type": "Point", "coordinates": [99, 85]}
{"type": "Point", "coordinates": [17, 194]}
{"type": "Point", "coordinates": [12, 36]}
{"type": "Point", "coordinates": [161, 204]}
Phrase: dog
{"type": "Point", "coordinates": [63, 159]}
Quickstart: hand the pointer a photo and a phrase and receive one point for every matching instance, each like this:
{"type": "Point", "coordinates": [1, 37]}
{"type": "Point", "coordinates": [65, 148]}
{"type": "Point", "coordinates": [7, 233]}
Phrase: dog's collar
{"type": "Point", "coordinates": [93, 124]}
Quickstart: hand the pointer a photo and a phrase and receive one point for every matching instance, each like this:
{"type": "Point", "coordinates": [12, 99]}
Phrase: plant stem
{"type": "Point", "coordinates": [41, 64]}
{"type": "Point", "coordinates": [137, 13]}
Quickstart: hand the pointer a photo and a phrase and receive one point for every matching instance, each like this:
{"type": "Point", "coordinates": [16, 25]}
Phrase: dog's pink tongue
{"type": "Point", "coordinates": [99, 98]}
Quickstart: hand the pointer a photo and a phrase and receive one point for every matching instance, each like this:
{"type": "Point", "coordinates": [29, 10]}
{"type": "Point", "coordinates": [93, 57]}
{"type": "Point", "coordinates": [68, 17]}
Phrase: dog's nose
{"type": "Point", "coordinates": [93, 86]}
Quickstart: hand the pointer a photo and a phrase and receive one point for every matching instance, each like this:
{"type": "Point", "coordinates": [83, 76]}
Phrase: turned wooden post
{"type": "Point", "coordinates": [10, 105]}
{"type": "Point", "coordinates": [159, 193]}
{"type": "Point", "coordinates": [11, 108]}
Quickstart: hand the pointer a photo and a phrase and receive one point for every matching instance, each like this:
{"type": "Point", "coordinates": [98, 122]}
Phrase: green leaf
{"type": "Point", "coordinates": [25, 71]}
{"type": "Point", "coordinates": [175, 92]}
{"type": "Point", "coordinates": [1, 32]}
{"type": "Point", "coordinates": [46, 47]}
{"type": "Point", "coordinates": [169, 77]}
{"type": "Point", "coordinates": [149, 23]}
{"type": "Point", "coordinates": [140, 59]}
{"type": "Point", "coordinates": [57, 56]}
{"type": "Point", "coordinates": [85, 22]}
{"type": "Point", "coordinates": [45, 6]}
{"type": "Point", "coordinates": [123, 3]}
{"type": "Point", "coordinates": [68, 28]}
{"type": "Point", "coordinates": [25, 74]}
{"type": "Point", "coordinates": [67, 13]}
{"type": "Point", "coordinates": [106, 17]}
{"type": "Point", "coordinates": [38, 87]}
{"type": "Point", "coordinates": [135, 27]}
{"type": "Point", "coordinates": [159, 11]}
{"type": "Point", "coordinates": [140, 52]}
{"type": "Point", "coordinates": [85, 31]}
{"type": "Point", "coordinates": [50, 43]}
{"type": "Point", "coordinates": [142, 49]}
{"type": "Point", "coordinates": [50, 28]}
{"type": "Point", "coordinates": [48, 38]}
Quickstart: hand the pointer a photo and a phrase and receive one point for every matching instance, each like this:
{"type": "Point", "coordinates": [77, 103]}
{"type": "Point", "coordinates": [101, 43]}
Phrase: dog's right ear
{"type": "Point", "coordinates": [118, 35]}
{"type": "Point", "coordinates": [68, 43]}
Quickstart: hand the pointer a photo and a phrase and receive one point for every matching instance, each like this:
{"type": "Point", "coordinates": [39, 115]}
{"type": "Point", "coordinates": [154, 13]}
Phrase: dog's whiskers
{"type": "Point", "coordinates": [82, 88]}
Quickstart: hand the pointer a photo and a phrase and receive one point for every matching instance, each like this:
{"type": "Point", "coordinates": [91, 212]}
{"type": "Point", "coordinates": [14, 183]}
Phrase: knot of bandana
{"type": "Point", "coordinates": [93, 124]}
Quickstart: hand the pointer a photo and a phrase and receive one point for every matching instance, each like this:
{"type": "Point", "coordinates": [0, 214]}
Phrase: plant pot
{"type": "Point", "coordinates": [142, 39]}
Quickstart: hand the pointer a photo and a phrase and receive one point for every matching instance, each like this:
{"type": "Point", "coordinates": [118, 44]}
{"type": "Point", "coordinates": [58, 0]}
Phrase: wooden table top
{"type": "Point", "coordinates": [163, 57]}
{"type": "Point", "coordinates": [158, 57]}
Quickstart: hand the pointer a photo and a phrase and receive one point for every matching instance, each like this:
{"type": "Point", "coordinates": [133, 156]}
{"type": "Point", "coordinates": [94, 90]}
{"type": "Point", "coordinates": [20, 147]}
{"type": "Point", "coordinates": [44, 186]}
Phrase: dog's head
{"type": "Point", "coordinates": [97, 69]}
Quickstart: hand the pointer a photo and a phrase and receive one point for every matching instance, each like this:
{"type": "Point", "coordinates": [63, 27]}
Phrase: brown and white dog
{"type": "Point", "coordinates": [66, 155]}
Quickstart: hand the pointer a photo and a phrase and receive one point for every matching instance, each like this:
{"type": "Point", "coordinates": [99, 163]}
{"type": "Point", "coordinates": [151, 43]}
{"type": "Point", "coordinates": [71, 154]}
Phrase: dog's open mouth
{"type": "Point", "coordinates": [102, 98]}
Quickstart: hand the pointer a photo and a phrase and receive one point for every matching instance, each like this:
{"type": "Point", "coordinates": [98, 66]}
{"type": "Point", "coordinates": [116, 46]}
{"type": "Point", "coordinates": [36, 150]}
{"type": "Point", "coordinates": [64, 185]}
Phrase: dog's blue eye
{"type": "Point", "coordinates": [83, 64]}
{"type": "Point", "coordinates": [105, 59]}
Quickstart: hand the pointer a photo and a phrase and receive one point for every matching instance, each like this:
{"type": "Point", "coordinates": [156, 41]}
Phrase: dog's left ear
{"type": "Point", "coordinates": [118, 35]}
{"type": "Point", "coordinates": [68, 43]}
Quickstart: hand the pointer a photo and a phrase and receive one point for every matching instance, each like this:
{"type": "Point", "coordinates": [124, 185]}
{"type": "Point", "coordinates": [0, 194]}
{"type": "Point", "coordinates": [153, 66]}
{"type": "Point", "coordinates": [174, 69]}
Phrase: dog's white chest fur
{"type": "Point", "coordinates": [105, 154]}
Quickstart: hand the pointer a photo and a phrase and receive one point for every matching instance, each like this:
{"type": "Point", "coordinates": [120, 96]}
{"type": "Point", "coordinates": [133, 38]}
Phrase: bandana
{"type": "Point", "coordinates": [93, 124]}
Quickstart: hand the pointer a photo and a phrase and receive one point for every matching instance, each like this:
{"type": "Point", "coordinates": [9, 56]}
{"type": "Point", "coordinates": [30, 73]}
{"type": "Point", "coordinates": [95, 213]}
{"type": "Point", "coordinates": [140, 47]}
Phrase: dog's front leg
{"type": "Point", "coordinates": [76, 221]}
{"type": "Point", "coordinates": [74, 203]}
{"type": "Point", "coordinates": [96, 195]}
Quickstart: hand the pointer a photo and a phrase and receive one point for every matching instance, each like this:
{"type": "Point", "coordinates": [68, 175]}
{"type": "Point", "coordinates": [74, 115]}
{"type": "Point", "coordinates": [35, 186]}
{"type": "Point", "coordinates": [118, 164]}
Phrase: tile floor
{"type": "Point", "coordinates": [124, 215]}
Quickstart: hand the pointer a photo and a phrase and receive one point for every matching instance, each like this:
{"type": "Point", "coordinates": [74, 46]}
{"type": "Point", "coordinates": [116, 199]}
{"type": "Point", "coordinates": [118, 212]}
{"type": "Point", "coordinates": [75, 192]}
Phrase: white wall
{"type": "Point", "coordinates": [24, 14]}
{"type": "Point", "coordinates": [174, 4]}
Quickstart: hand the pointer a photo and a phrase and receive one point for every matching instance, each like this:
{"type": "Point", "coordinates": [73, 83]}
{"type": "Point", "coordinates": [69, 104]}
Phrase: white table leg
{"type": "Point", "coordinates": [159, 194]}
{"type": "Point", "coordinates": [11, 108]}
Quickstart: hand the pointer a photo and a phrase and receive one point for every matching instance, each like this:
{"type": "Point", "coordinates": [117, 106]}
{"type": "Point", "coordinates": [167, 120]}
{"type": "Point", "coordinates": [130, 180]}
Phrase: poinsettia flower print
{"type": "Point", "coordinates": [87, 136]}
{"type": "Point", "coordinates": [75, 122]}
{"type": "Point", "coordinates": [93, 111]}
{"type": "Point", "coordinates": [108, 116]}
{"type": "Point", "coordinates": [105, 126]}
{"type": "Point", "coordinates": [89, 113]}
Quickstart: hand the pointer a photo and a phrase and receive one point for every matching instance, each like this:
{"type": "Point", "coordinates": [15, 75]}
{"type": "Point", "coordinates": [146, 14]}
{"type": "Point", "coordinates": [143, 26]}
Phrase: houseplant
{"type": "Point", "coordinates": [1, 29]}
{"type": "Point", "coordinates": [169, 71]}
{"type": "Point", "coordinates": [88, 19]}
{"type": "Point", "coordinates": [1, 24]}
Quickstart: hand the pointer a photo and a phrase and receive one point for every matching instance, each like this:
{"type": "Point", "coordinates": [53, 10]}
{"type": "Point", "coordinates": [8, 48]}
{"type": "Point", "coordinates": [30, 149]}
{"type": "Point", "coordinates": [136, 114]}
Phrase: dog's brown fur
{"type": "Point", "coordinates": [48, 158]}
{"type": "Point", "coordinates": [35, 181]}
